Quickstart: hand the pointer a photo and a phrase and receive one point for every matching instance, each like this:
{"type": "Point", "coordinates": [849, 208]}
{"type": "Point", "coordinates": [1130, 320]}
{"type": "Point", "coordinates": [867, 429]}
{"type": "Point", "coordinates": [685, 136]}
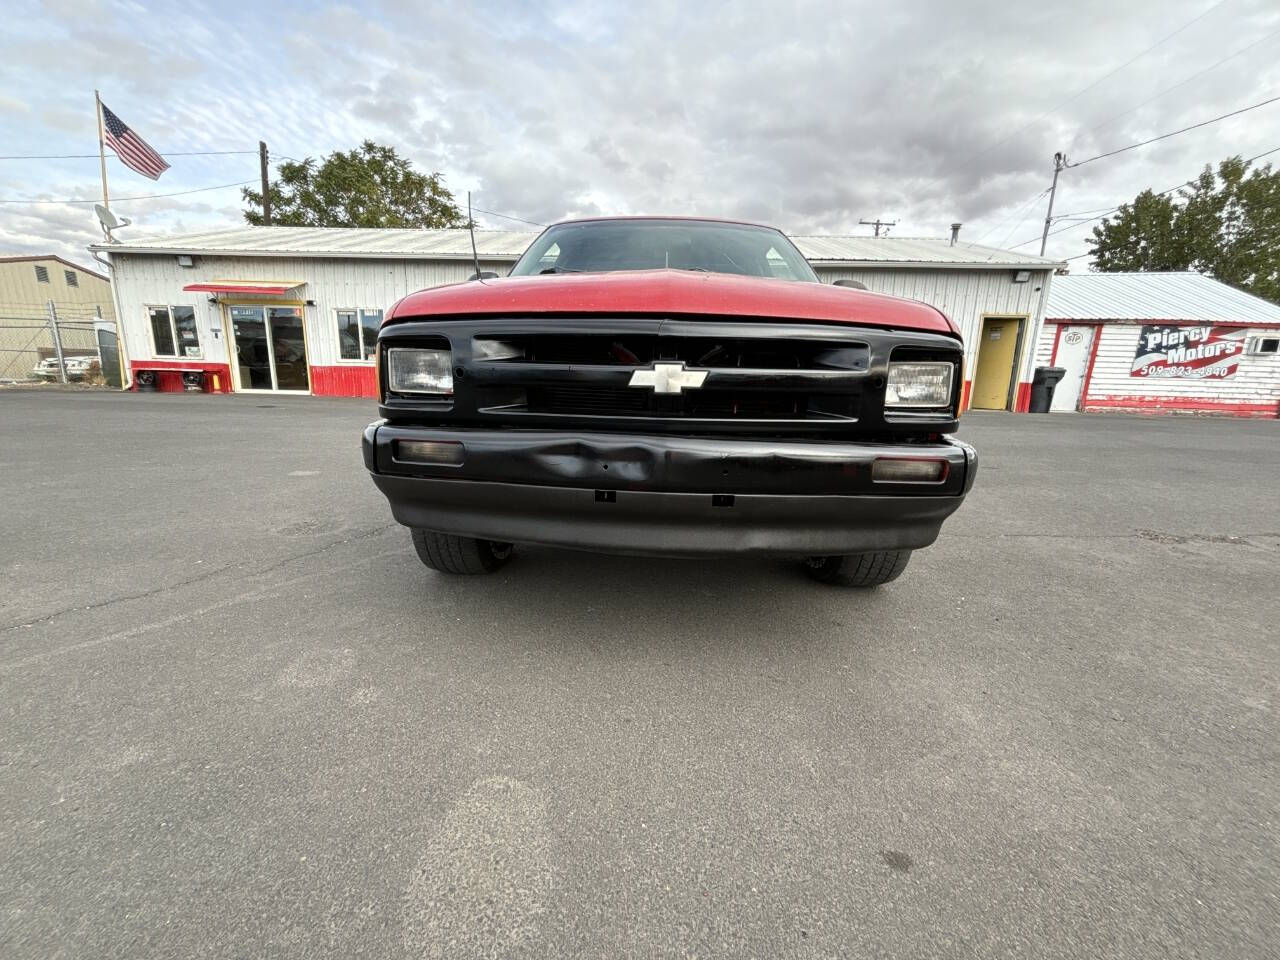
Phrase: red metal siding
{"type": "Point", "coordinates": [169, 381]}
{"type": "Point", "coordinates": [344, 381]}
{"type": "Point", "coordinates": [1139, 404]}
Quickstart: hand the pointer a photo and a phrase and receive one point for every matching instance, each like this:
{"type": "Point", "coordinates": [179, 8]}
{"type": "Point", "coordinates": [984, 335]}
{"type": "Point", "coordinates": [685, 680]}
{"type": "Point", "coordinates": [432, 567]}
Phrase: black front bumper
{"type": "Point", "coordinates": [667, 495]}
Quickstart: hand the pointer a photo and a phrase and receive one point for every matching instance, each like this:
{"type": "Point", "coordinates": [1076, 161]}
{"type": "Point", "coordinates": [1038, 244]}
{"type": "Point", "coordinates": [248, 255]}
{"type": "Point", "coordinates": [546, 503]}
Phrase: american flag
{"type": "Point", "coordinates": [134, 152]}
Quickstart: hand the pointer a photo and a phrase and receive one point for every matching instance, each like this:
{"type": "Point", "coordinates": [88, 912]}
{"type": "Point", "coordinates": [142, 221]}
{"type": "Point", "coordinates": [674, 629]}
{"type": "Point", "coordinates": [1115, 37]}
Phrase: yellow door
{"type": "Point", "coordinates": [997, 350]}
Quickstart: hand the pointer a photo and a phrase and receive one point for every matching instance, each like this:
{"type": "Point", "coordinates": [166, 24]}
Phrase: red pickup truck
{"type": "Point", "coordinates": [670, 387]}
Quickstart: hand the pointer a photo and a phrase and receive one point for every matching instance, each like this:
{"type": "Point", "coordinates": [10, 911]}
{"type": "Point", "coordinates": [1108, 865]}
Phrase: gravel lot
{"type": "Point", "coordinates": [240, 719]}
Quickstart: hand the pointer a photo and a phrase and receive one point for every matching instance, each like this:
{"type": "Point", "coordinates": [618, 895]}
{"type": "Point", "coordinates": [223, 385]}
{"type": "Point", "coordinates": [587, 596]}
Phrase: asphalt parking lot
{"type": "Point", "coordinates": [240, 719]}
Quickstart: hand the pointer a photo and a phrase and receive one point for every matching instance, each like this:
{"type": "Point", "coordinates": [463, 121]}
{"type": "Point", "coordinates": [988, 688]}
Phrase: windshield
{"type": "Point", "coordinates": [604, 245]}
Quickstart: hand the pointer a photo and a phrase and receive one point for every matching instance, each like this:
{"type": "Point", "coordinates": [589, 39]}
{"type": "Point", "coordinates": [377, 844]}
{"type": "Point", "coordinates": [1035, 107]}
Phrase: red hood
{"type": "Point", "coordinates": [672, 293]}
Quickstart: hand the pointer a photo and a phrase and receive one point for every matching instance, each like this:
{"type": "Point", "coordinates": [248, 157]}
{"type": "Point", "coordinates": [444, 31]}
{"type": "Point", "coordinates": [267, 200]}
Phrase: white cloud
{"type": "Point", "coordinates": [808, 115]}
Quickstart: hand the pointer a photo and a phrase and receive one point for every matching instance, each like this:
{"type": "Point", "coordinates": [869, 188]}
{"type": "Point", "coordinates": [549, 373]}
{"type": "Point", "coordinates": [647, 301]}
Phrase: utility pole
{"type": "Point", "coordinates": [266, 183]}
{"type": "Point", "coordinates": [1059, 162]}
{"type": "Point", "coordinates": [878, 223]}
{"type": "Point", "coordinates": [57, 342]}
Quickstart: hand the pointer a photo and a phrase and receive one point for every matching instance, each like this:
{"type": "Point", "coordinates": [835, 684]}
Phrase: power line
{"type": "Point", "coordinates": [1021, 214]}
{"type": "Point", "coordinates": [1181, 83]}
{"type": "Point", "coordinates": [1025, 204]}
{"type": "Point", "coordinates": [1079, 93]}
{"type": "Point", "coordinates": [1109, 210]}
{"type": "Point", "coordinates": [532, 223]}
{"type": "Point", "coordinates": [1166, 136]}
{"type": "Point", "coordinates": [94, 156]}
{"type": "Point", "coordinates": [149, 196]}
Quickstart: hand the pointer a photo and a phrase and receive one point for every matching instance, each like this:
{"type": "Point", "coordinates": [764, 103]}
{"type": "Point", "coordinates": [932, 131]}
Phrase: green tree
{"type": "Point", "coordinates": [1143, 235]}
{"type": "Point", "coordinates": [1225, 224]}
{"type": "Point", "coordinates": [371, 186]}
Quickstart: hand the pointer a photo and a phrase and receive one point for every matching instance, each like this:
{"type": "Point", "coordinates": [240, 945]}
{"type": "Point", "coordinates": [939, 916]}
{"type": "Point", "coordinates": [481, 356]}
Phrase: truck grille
{"type": "Point", "coordinates": [566, 399]}
{"type": "Point", "coordinates": [761, 377]}
{"type": "Point", "coordinates": [747, 378]}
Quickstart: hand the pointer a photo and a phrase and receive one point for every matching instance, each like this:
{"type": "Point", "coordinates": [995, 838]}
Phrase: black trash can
{"type": "Point", "coordinates": [1042, 386]}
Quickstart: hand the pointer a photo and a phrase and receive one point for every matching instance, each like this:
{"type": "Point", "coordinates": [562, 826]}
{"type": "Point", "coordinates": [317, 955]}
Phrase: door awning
{"type": "Point", "coordinates": [257, 287]}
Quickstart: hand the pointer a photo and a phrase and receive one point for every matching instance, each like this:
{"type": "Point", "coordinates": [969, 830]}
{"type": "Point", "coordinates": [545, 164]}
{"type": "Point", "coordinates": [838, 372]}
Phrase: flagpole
{"type": "Point", "coordinates": [102, 149]}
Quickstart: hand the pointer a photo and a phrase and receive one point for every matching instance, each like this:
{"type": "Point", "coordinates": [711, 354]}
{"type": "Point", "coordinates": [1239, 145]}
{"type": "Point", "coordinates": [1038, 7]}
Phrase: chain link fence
{"type": "Point", "coordinates": [63, 342]}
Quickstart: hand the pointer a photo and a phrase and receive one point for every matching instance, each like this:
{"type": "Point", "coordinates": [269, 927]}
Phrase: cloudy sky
{"type": "Point", "coordinates": [808, 115]}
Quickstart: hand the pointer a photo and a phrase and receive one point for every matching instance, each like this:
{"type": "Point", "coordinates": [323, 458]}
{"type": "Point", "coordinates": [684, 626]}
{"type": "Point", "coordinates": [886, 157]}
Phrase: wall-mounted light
{"type": "Point", "coordinates": [1022, 276]}
{"type": "Point", "coordinates": [214, 301]}
{"type": "Point", "coordinates": [185, 261]}
{"type": "Point", "coordinates": [310, 303]}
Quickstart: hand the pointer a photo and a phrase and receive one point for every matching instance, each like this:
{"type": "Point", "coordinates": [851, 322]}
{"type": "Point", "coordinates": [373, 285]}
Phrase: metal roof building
{"type": "Point", "coordinates": [1185, 297]}
{"type": "Point", "coordinates": [1161, 342]}
{"type": "Point", "coordinates": [230, 303]}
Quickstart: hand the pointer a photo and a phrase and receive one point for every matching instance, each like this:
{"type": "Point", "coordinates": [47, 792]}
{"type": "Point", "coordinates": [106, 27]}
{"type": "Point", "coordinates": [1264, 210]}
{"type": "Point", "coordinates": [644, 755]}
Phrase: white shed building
{"type": "Point", "coordinates": [296, 308]}
{"type": "Point", "coordinates": [1161, 343]}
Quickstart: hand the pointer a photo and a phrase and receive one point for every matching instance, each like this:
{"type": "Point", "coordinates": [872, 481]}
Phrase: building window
{"type": "Point", "coordinates": [173, 331]}
{"type": "Point", "coordinates": [358, 334]}
{"type": "Point", "coordinates": [42, 274]}
{"type": "Point", "coordinates": [1263, 346]}
{"type": "Point", "coordinates": [72, 279]}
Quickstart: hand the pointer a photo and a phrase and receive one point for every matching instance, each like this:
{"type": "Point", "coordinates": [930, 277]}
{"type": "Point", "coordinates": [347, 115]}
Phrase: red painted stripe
{"type": "Point", "coordinates": [1023, 402]}
{"type": "Point", "coordinates": [1166, 323]}
{"type": "Point", "coordinates": [265, 290]}
{"type": "Point", "coordinates": [1098, 330]}
{"type": "Point", "coordinates": [1155, 405]}
{"type": "Point", "coordinates": [1057, 339]}
{"type": "Point", "coordinates": [345, 381]}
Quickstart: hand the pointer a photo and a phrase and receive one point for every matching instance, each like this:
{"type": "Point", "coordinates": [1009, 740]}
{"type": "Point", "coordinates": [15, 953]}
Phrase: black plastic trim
{"type": "Point", "coordinates": [666, 524]}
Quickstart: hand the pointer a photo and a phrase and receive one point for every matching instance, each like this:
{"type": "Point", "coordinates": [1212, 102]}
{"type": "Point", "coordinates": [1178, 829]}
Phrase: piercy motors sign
{"type": "Point", "coordinates": [1189, 353]}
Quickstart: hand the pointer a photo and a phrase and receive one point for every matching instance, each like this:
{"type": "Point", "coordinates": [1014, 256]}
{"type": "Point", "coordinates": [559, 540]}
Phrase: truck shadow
{"type": "Point", "coordinates": [566, 599]}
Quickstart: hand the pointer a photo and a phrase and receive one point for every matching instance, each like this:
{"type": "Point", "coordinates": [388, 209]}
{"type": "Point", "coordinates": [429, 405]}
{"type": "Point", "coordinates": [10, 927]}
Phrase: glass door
{"type": "Point", "coordinates": [288, 349]}
{"type": "Point", "coordinates": [269, 348]}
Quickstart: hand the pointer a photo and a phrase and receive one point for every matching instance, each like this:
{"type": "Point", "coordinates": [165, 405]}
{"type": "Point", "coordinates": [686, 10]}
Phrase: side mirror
{"type": "Point", "coordinates": [483, 275]}
{"type": "Point", "coordinates": [856, 284]}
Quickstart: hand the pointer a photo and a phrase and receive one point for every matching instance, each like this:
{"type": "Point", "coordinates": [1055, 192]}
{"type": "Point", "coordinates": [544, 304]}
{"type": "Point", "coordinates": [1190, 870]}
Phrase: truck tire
{"type": "Point", "coordinates": [459, 555]}
{"type": "Point", "coordinates": [858, 569]}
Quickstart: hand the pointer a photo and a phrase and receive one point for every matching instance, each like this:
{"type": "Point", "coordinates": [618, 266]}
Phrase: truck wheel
{"type": "Point", "coordinates": [858, 569]}
{"type": "Point", "coordinates": [461, 555]}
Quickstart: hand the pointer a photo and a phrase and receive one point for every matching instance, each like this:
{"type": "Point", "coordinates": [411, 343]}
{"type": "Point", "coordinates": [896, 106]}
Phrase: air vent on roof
{"type": "Point", "coordinates": [72, 279]}
{"type": "Point", "coordinates": [42, 274]}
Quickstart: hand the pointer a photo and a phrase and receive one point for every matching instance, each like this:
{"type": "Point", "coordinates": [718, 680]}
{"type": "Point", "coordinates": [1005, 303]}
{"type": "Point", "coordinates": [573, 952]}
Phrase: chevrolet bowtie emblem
{"type": "Point", "coordinates": [668, 378]}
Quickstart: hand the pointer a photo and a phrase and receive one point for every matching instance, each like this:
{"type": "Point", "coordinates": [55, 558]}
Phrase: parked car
{"type": "Point", "coordinates": [77, 368]}
{"type": "Point", "coordinates": [669, 387]}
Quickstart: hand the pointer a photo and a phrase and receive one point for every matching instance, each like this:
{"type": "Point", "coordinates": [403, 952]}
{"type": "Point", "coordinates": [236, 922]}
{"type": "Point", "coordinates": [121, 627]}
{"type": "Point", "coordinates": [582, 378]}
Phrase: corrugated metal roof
{"type": "Point", "coordinates": [924, 251]}
{"type": "Point", "coordinates": [1154, 296]}
{"type": "Point", "coordinates": [508, 245]}
{"type": "Point", "coordinates": [359, 242]}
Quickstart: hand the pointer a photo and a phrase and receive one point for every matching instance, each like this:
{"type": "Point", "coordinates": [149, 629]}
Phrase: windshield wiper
{"type": "Point", "coordinates": [559, 270]}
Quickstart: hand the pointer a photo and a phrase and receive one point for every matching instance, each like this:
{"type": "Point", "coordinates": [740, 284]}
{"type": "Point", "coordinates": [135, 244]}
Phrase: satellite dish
{"type": "Point", "coordinates": [109, 220]}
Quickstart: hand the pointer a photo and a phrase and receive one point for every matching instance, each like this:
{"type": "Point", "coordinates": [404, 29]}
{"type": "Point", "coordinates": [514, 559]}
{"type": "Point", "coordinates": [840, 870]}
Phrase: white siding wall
{"type": "Point", "coordinates": [1044, 346]}
{"type": "Point", "coordinates": [331, 283]}
{"type": "Point", "coordinates": [966, 296]}
{"type": "Point", "coordinates": [1257, 381]}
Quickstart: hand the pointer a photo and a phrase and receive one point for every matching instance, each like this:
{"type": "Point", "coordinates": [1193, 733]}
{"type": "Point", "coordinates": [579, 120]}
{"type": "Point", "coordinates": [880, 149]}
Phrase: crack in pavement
{"type": "Point", "coordinates": [243, 596]}
{"type": "Point", "coordinates": [204, 576]}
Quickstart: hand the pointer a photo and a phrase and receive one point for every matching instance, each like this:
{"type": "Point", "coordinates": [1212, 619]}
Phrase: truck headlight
{"type": "Point", "coordinates": [420, 371]}
{"type": "Point", "coordinates": [919, 385]}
